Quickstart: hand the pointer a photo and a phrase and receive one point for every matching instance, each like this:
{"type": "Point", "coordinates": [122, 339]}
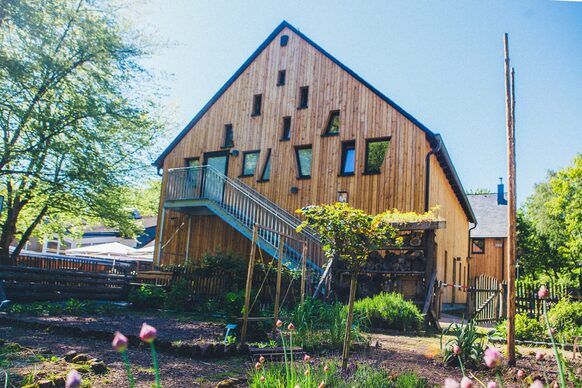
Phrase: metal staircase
{"type": "Point", "coordinates": [242, 207]}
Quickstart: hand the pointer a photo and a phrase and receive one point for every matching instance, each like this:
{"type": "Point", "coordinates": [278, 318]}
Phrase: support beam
{"type": "Point", "coordinates": [161, 236]}
{"type": "Point", "coordinates": [279, 272]}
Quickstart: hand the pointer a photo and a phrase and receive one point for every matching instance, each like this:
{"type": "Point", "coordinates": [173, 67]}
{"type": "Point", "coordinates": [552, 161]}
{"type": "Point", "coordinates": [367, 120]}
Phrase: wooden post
{"type": "Point", "coordinates": [347, 337]}
{"type": "Point", "coordinates": [249, 286]}
{"type": "Point", "coordinates": [279, 271]}
{"type": "Point", "coordinates": [511, 208]}
{"type": "Point", "coordinates": [187, 251]}
{"type": "Point", "coordinates": [161, 237]}
{"type": "Point", "coordinates": [303, 270]}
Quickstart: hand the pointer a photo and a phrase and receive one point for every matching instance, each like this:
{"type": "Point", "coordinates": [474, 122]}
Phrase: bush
{"type": "Point", "coordinates": [179, 297]}
{"type": "Point", "coordinates": [566, 317]}
{"type": "Point", "coordinates": [471, 344]}
{"type": "Point", "coordinates": [388, 311]}
{"type": "Point", "coordinates": [147, 296]}
{"type": "Point", "coordinates": [526, 329]}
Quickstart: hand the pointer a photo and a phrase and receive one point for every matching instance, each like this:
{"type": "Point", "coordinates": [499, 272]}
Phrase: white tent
{"type": "Point", "coordinates": [113, 250]}
{"type": "Point", "coordinates": [145, 253]}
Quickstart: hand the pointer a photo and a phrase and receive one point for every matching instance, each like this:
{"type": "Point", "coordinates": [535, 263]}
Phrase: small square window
{"type": "Point", "coordinates": [228, 136]}
{"type": "Point", "coordinates": [333, 123]}
{"type": "Point", "coordinates": [284, 40]}
{"type": "Point", "coordinates": [257, 103]}
{"type": "Point", "coordinates": [348, 162]}
{"type": "Point", "coordinates": [286, 134]}
{"type": "Point", "coordinates": [304, 156]}
{"type": "Point", "coordinates": [375, 154]}
{"type": "Point", "coordinates": [303, 97]}
{"type": "Point", "coordinates": [281, 77]}
{"type": "Point", "coordinates": [250, 160]}
{"type": "Point", "coordinates": [478, 245]}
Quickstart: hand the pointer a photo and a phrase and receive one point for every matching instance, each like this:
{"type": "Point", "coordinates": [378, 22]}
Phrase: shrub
{"type": "Point", "coordinates": [566, 317]}
{"type": "Point", "coordinates": [388, 311]}
{"type": "Point", "coordinates": [466, 337]}
{"type": "Point", "coordinates": [147, 296]}
{"type": "Point", "coordinates": [179, 297]}
{"type": "Point", "coordinates": [526, 329]}
{"type": "Point", "coordinates": [410, 380]}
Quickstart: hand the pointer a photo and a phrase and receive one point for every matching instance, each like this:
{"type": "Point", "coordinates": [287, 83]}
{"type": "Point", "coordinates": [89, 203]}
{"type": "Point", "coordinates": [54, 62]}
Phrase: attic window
{"type": "Point", "coordinates": [333, 123]}
{"type": "Point", "coordinates": [228, 136]}
{"type": "Point", "coordinates": [281, 78]}
{"type": "Point", "coordinates": [257, 103]}
{"type": "Point", "coordinates": [303, 97]}
{"type": "Point", "coordinates": [376, 150]}
{"type": "Point", "coordinates": [286, 135]}
{"type": "Point", "coordinates": [478, 245]}
{"type": "Point", "coordinates": [284, 40]}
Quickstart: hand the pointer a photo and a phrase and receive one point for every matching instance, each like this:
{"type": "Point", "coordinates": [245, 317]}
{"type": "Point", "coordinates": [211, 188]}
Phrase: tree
{"type": "Point", "coordinates": [75, 121]}
{"type": "Point", "coordinates": [534, 253]}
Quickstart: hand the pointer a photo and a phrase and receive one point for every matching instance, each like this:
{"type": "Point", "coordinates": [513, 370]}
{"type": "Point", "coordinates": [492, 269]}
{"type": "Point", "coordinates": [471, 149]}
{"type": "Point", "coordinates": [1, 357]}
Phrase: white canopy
{"type": "Point", "coordinates": [113, 249]}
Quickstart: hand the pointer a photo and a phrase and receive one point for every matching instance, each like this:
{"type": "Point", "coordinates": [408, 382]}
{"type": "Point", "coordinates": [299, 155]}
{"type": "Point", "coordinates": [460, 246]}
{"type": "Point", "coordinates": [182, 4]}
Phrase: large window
{"type": "Point", "coordinates": [281, 77]}
{"type": "Point", "coordinates": [303, 97]}
{"type": "Point", "coordinates": [375, 154]}
{"type": "Point", "coordinates": [333, 124]}
{"type": "Point", "coordinates": [286, 133]}
{"type": "Point", "coordinates": [228, 136]}
{"type": "Point", "coordinates": [250, 160]}
{"type": "Point", "coordinates": [303, 155]}
{"type": "Point", "coordinates": [348, 162]}
{"type": "Point", "coordinates": [478, 245]}
{"type": "Point", "coordinates": [193, 174]}
{"type": "Point", "coordinates": [266, 174]}
{"type": "Point", "coordinates": [257, 103]}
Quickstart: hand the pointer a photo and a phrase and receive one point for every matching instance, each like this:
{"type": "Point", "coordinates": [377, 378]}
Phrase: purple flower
{"type": "Point", "coordinates": [119, 342]}
{"type": "Point", "coordinates": [492, 357]}
{"type": "Point", "coordinates": [148, 333]}
{"type": "Point", "coordinates": [73, 379]}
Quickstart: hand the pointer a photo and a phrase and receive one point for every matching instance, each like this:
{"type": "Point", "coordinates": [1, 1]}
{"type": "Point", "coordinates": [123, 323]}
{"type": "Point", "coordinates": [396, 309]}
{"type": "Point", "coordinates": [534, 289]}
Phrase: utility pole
{"type": "Point", "coordinates": [511, 208]}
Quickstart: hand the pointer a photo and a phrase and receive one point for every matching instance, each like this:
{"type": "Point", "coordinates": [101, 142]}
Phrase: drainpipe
{"type": "Point", "coordinates": [432, 151]}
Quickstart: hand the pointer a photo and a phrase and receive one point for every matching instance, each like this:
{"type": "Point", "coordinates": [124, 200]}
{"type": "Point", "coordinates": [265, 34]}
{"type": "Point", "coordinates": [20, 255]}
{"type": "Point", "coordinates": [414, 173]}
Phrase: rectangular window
{"type": "Point", "coordinates": [333, 123]}
{"type": "Point", "coordinates": [250, 159]}
{"type": "Point", "coordinates": [303, 97]}
{"type": "Point", "coordinates": [303, 155]}
{"type": "Point", "coordinates": [266, 174]}
{"type": "Point", "coordinates": [348, 162]}
{"type": "Point", "coordinates": [193, 174]}
{"type": "Point", "coordinates": [375, 154]}
{"type": "Point", "coordinates": [257, 102]}
{"type": "Point", "coordinates": [478, 245]}
{"type": "Point", "coordinates": [286, 135]}
{"type": "Point", "coordinates": [228, 136]}
{"type": "Point", "coordinates": [281, 77]}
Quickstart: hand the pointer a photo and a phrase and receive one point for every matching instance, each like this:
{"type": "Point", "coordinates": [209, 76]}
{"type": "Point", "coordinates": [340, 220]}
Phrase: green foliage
{"type": "Point", "coordinates": [233, 305]}
{"type": "Point", "coordinates": [478, 191]}
{"type": "Point", "coordinates": [536, 257]}
{"type": "Point", "coordinates": [71, 307]}
{"type": "Point", "coordinates": [77, 120]}
{"type": "Point", "coordinates": [467, 338]}
{"type": "Point", "coordinates": [147, 296]}
{"type": "Point", "coordinates": [146, 199]}
{"type": "Point", "coordinates": [388, 311]}
{"type": "Point", "coordinates": [179, 297]}
{"type": "Point", "coordinates": [410, 380]}
{"type": "Point", "coordinates": [566, 317]}
{"type": "Point", "coordinates": [526, 329]}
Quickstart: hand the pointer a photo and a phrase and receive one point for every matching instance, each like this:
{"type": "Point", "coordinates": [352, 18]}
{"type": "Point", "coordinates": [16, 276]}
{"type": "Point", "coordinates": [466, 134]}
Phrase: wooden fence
{"type": "Point", "coordinates": [527, 300]}
{"type": "Point", "coordinates": [486, 302]}
{"type": "Point", "coordinates": [80, 264]}
{"type": "Point", "coordinates": [25, 284]}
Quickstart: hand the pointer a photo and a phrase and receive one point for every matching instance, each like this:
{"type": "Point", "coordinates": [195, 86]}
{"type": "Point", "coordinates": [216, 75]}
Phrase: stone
{"type": "Point", "coordinates": [230, 382]}
{"type": "Point", "coordinates": [80, 358]}
{"type": "Point", "coordinates": [98, 367]}
{"type": "Point", "coordinates": [45, 384]}
{"type": "Point", "coordinates": [206, 350]}
{"type": "Point", "coordinates": [59, 382]}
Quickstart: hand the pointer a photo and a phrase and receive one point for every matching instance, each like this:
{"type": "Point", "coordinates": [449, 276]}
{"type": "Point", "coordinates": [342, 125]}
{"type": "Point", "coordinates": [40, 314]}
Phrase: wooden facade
{"type": "Point", "coordinates": [492, 261]}
{"type": "Point", "coordinates": [365, 114]}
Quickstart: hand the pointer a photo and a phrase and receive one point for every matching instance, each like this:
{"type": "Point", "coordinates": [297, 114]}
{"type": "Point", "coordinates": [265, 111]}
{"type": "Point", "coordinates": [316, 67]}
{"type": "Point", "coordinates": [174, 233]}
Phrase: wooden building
{"type": "Point", "coordinates": [488, 238]}
{"type": "Point", "coordinates": [292, 127]}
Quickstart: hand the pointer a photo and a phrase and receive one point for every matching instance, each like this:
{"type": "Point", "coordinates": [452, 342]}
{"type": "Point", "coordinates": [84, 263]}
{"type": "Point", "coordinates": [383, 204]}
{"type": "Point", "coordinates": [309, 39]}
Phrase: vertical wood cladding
{"type": "Point", "coordinates": [363, 115]}
{"type": "Point", "coordinates": [490, 262]}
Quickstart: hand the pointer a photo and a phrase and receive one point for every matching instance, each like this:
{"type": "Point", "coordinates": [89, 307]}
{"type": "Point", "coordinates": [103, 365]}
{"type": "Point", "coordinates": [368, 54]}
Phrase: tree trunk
{"type": "Point", "coordinates": [7, 235]}
{"type": "Point", "coordinates": [26, 235]}
{"type": "Point", "coordinates": [347, 338]}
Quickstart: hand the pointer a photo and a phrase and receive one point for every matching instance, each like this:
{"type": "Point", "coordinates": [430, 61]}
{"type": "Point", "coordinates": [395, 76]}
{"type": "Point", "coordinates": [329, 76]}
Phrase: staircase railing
{"type": "Point", "coordinates": [248, 206]}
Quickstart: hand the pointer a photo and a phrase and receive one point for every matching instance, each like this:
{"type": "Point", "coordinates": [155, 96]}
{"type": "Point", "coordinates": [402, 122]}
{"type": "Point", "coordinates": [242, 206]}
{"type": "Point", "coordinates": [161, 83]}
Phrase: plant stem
{"type": "Point", "coordinates": [128, 369]}
{"type": "Point", "coordinates": [461, 365]}
{"type": "Point", "coordinates": [285, 356]}
{"type": "Point", "coordinates": [555, 348]}
{"type": "Point", "coordinates": [291, 352]}
{"type": "Point", "coordinates": [155, 361]}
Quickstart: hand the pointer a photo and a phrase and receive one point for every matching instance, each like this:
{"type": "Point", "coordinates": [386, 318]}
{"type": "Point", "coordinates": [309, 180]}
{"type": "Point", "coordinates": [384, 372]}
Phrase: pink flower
{"type": "Point", "coordinates": [306, 358]}
{"type": "Point", "coordinates": [326, 368]}
{"type": "Point", "coordinates": [451, 383]}
{"type": "Point", "coordinates": [307, 372]}
{"type": "Point", "coordinates": [520, 374]}
{"type": "Point", "coordinates": [540, 356]}
{"type": "Point", "coordinates": [291, 327]}
{"type": "Point", "coordinates": [263, 379]}
{"type": "Point", "coordinates": [279, 323]}
{"type": "Point", "coordinates": [492, 384]}
{"type": "Point", "coordinates": [537, 384]}
{"type": "Point", "coordinates": [552, 330]}
{"type": "Point", "coordinates": [467, 382]}
{"type": "Point", "coordinates": [261, 359]}
{"type": "Point", "coordinates": [543, 293]}
{"type": "Point", "coordinates": [73, 379]}
{"type": "Point", "coordinates": [148, 333]}
{"type": "Point", "coordinates": [119, 342]}
{"type": "Point", "coordinates": [258, 366]}
{"type": "Point", "coordinates": [492, 357]}
{"type": "Point", "coordinates": [457, 349]}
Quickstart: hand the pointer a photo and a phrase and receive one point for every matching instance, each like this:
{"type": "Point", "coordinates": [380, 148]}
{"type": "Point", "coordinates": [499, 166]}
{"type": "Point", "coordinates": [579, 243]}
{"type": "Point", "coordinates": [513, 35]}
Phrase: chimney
{"type": "Point", "coordinates": [501, 193]}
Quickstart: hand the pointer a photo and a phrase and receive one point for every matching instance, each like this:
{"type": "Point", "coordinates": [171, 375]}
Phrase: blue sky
{"type": "Point", "coordinates": [442, 61]}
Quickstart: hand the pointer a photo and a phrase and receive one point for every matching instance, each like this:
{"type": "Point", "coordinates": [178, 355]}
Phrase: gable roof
{"type": "Point", "coordinates": [434, 139]}
{"type": "Point", "coordinates": [491, 216]}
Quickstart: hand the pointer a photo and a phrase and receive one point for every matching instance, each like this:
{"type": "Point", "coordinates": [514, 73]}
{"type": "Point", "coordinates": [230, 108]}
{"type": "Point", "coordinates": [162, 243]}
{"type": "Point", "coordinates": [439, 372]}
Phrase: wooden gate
{"type": "Point", "coordinates": [486, 299]}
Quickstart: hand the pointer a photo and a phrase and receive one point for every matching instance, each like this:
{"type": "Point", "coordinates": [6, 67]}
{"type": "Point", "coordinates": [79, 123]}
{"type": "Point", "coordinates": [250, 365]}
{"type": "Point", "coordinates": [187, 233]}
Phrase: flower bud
{"type": "Point", "coordinates": [261, 359]}
{"type": "Point", "coordinates": [451, 383]}
{"type": "Point", "coordinates": [467, 383]}
{"type": "Point", "coordinates": [540, 356]}
{"type": "Point", "coordinates": [119, 342]}
{"type": "Point", "coordinates": [306, 358]}
{"type": "Point", "coordinates": [520, 374]}
{"type": "Point", "coordinates": [258, 366]}
{"type": "Point", "coordinates": [291, 327]}
{"type": "Point", "coordinates": [543, 293]}
{"type": "Point", "coordinates": [148, 333]}
{"type": "Point", "coordinates": [279, 323]}
{"type": "Point", "coordinates": [73, 380]}
{"type": "Point", "coordinates": [457, 349]}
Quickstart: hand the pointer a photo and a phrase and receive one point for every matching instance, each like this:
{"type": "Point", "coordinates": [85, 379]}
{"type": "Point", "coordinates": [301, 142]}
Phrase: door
{"type": "Point", "coordinates": [213, 183]}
